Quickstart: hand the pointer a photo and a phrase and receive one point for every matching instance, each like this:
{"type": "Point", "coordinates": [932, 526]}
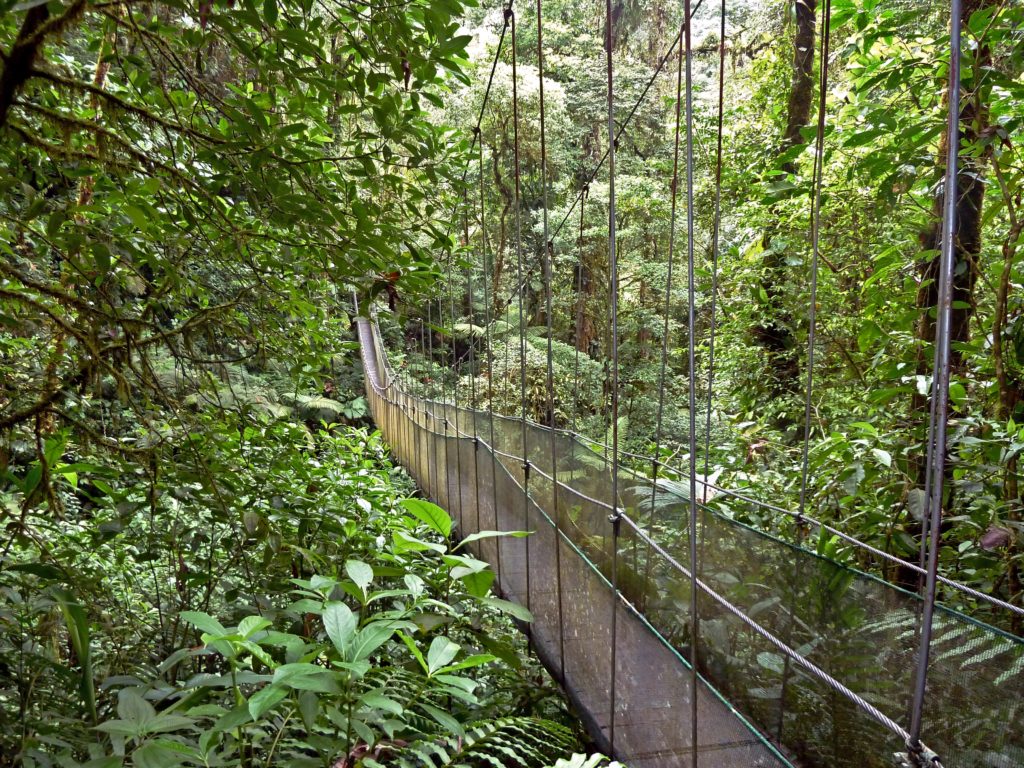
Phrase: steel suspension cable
{"type": "Point", "coordinates": [940, 381]}
{"type": "Point", "coordinates": [815, 226]}
{"type": "Point", "coordinates": [692, 362]}
{"type": "Point", "coordinates": [812, 311]}
{"type": "Point", "coordinates": [625, 123]}
{"type": "Point", "coordinates": [549, 281]}
{"type": "Point", "coordinates": [715, 237]}
{"type": "Point", "coordinates": [579, 318]}
{"type": "Point", "coordinates": [488, 321]}
{"type": "Point", "coordinates": [517, 203]}
{"type": "Point", "coordinates": [659, 418]}
{"type": "Point", "coordinates": [613, 275]}
{"type": "Point", "coordinates": [457, 365]}
{"type": "Point", "coordinates": [430, 350]}
{"type": "Point", "coordinates": [584, 190]}
{"type": "Point", "coordinates": [473, 405]}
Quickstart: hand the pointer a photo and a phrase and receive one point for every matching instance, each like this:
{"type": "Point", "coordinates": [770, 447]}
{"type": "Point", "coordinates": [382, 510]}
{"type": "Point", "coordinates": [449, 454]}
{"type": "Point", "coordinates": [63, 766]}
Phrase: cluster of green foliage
{"type": "Point", "coordinates": [294, 612]}
{"type": "Point", "coordinates": [884, 143]}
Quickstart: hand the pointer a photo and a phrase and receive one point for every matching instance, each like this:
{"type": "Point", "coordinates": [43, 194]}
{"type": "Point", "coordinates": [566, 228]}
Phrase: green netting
{"type": "Point", "coordinates": [860, 631]}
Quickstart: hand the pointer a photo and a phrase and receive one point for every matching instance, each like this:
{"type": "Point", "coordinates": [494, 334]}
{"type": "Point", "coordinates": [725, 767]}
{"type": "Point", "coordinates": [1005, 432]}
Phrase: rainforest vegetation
{"type": "Point", "coordinates": [207, 554]}
{"type": "Point", "coordinates": [884, 145]}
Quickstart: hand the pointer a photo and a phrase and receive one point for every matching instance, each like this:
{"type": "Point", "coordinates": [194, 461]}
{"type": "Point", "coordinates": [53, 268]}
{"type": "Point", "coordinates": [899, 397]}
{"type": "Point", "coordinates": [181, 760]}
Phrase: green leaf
{"type": "Point", "coordinates": [133, 708]}
{"type": "Point", "coordinates": [360, 573]}
{"type": "Point", "coordinates": [478, 584]}
{"type": "Point", "coordinates": [884, 457]}
{"type": "Point", "coordinates": [167, 722]}
{"type": "Point", "coordinates": [138, 217]}
{"type": "Point", "coordinates": [403, 542]}
{"type": "Point", "coordinates": [265, 699]}
{"type": "Point", "coordinates": [204, 622]}
{"type": "Point", "coordinates": [250, 625]}
{"type": "Point", "coordinates": [270, 11]}
{"type": "Point", "coordinates": [430, 514]}
{"type": "Point", "coordinates": [441, 652]}
{"type": "Point", "coordinates": [370, 638]}
{"type": "Point", "coordinates": [515, 610]}
{"type": "Point", "coordinates": [154, 754]}
{"type": "Point", "coordinates": [340, 623]}
{"type": "Point", "coordinates": [446, 720]}
{"type": "Point", "coordinates": [377, 700]}
{"type": "Point", "coordinates": [411, 645]}
{"type": "Point", "coordinates": [490, 535]}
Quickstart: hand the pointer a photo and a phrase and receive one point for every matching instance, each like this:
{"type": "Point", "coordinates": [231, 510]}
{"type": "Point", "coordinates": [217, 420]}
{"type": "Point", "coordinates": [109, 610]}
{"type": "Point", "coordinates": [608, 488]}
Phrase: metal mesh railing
{"type": "Point", "coordinates": [817, 657]}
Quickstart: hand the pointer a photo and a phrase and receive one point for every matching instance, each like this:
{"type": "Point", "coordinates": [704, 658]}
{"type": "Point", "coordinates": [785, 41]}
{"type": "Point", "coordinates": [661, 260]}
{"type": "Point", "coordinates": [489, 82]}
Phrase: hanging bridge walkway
{"type": "Point", "coordinates": [683, 637]}
{"type": "Point", "coordinates": [802, 661]}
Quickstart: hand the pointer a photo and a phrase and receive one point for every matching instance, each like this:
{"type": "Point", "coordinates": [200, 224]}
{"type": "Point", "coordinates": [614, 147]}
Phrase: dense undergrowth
{"type": "Point", "coordinates": [301, 609]}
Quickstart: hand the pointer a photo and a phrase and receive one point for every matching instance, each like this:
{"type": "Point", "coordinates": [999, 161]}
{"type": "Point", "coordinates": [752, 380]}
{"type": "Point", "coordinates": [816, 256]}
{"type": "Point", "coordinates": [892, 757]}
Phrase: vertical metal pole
{"type": "Point", "coordinates": [613, 269]}
{"type": "Point", "coordinates": [692, 364]}
{"type": "Point", "coordinates": [522, 288]}
{"type": "Point", "coordinates": [549, 252]}
{"type": "Point", "coordinates": [940, 387]}
{"type": "Point", "coordinates": [487, 277]}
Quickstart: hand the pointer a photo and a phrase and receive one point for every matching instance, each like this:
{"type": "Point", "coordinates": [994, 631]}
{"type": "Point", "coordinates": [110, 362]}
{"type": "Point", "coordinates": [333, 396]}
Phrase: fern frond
{"type": "Point", "coordinates": [507, 742]}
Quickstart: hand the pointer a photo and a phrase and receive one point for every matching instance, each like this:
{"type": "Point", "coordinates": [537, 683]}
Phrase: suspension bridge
{"type": "Point", "coordinates": [682, 636]}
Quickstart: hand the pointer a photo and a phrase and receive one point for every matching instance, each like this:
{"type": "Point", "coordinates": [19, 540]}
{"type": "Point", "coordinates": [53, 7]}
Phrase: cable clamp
{"type": "Point", "coordinates": [508, 13]}
{"type": "Point", "coordinates": [526, 469]}
{"type": "Point", "coordinates": [476, 130]}
{"type": "Point", "coordinates": [476, 442]}
{"type": "Point", "coordinates": [917, 756]}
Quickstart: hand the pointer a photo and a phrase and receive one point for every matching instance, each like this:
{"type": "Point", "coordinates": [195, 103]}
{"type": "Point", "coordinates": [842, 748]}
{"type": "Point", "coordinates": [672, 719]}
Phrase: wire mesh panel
{"type": "Point", "coordinates": [818, 655]}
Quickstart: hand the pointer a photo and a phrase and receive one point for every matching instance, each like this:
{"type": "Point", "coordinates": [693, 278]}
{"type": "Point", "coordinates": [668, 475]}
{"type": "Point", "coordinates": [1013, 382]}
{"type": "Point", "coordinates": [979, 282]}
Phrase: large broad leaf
{"type": "Point", "coordinates": [360, 573]}
{"type": "Point", "coordinates": [340, 623]}
{"type": "Point", "coordinates": [429, 514]}
{"type": "Point", "coordinates": [490, 535]}
{"type": "Point", "coordinates": [204, 622]}
{"type": "Point", "coordinates": [478, 583]}
{"type": "Point", "coordinates": [369, 639]}
{"type": "Point", "coordinates": [265, 699]}
{"type": "Point", "coordinates": [441, 652]}
{"type": "Point", "coordinates": [515, 610]}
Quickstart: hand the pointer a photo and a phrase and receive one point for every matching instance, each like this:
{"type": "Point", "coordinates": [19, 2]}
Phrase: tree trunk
{"type": "Point", "coordinates": [970, 195]}
{"type": "Point", "coordinates": [775, 335]}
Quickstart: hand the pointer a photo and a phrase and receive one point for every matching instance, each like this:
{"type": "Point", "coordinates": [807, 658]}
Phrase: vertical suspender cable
{"type": "Point", "coordinates": [522, 288]}
{"type": "Point", "coordinates": [692, 363]}
{"type": "Point", "coordinates": [812, 326]}
{"type": "Point", "coordinates": [489, 345]}
{"type": "Point", "coordinates": [579, 316]}
{"type": "Point", "coordinates": [613, 274]}
{"type": "Point", "coordinates": [549, 253]}
{"type": "Point", "coordinates": [442, 471]}
{"type": "Point", "coordinates": [812, 311]}
{"type": "Point", "coordinates": [457, 366]}
{"type": "Point", "coordinates": [940, 387]}
{"type": "Point", "coordinates": [659, 419]}
{"type": "Point", "coordinates": [473, 410]}
{"type": "Point", "coordinates": [428, 423]}
{"type": "Point", "coordinates": [715, 236]}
